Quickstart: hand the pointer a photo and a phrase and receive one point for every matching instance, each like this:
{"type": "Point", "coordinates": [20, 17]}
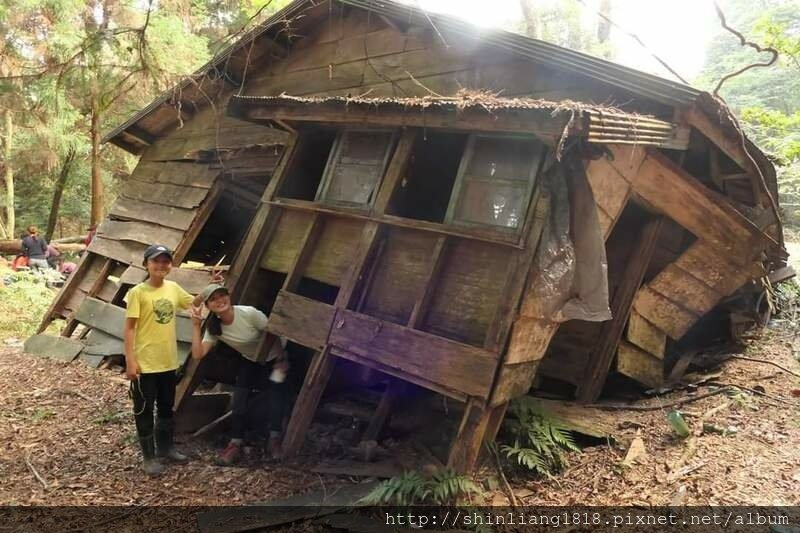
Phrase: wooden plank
{"type": "Point", "coordinates": [201, 218]}
{"type": "Point", "coordinates": [164, 194]}
{"type": "Point", "coordinates": [103, 316]}
{"type": "Point", "coordinates": [192, 280]}
{"type": "Point", "coordinates": [529, 340]}
{"type": "Point", "coordinates": [102, 344]}
{"type": "Point", "coordinates": [300, 261]}
{"type": "Point", "coordinates": [685, 290]}
{"type": "Point", "coordinates": [188, 174]}
{"type": "Point", "coordinates": [58, 348]}
{"type": "Point", "coordinates": [640, 365]}
{"type": "Point", "coordinates": [167, 216]}
{"type": "Point", "coordinates": [540, 122]}
{"type": "Point", "coordinates": [645, 335]}
{"type": "Point", "coordinates": [468, 441]}
{"type": "Point", "coordinates": [286, 240]}
{"type": "Point", "coordinates": [595, 423]}
{"type": "Point", "coordinates": [319, 372]}
{"type": "Point", "coordinates": [609, 189]}
{"type": "Point", "coordinates": [621, 303]}
{"type": "Point", "coordinates": [143, 232]}
{"type": "Point", "coordinates": [513, 381]}
{"type": "Point", "coordinates": [606, 222]}
{"type": "Point", "coordinates": [332, 254]}
{"type": "Point", "coordinates": [365, 253]}
{"type": "Point", "coordinates": [458, 366]}
{"type": "Point", "coordinates": [663, 313]}
{"type": "Point", "coordinates": [469, 291]}
{"type": "Point", "coordinates": [111, 319]}
{"type": "Point", "coordinates": [128, 252]}
{"type": "Point", "coordinates": [707, 265]}
{"type": "Point", "coordinates": [422, 304]}
{"type": "Point", "coordinates": [395, 171]}
{"type": "Point", "coordinates": [301, 320]}
{"type": "Point", "coordinates": [57, 307]}
{"type": "Point", "coordinates": [394, 391]}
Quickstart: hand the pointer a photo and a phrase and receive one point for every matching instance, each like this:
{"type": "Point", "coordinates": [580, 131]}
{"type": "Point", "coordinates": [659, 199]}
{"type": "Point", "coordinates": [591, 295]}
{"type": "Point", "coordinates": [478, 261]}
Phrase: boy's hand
{"type": "Point", "coordinates": [132, 369]}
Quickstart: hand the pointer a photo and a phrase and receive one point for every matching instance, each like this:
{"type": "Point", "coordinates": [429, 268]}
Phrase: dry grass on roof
{"type": "Point", "coordinates": [465, 98]}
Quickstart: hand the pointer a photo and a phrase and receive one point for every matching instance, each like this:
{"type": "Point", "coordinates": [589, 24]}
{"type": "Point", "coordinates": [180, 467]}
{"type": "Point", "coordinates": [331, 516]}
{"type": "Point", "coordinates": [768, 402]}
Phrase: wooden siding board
{"type": "Point", "coordinates": [663, 313]}
{"type": "Point", "coordinates": [467, 295]}
{"type": "Point", "coordinates": [334, 250]}
{"type": "Point", "coordinates": [640, 365]}
{"type": "Point", "coordinates": [286, 240]}
{"type": "Point", "coordinates": [144, 210]}
{"type": "Point", "coordinates": [301, 320]}
{"type": "Point", "coordinates": [142, 232]}
{"type": "Point", "coordinates": [399, 275]}
{"type": "Point", "coordinates": [464, 368]}
{"type": "Point", "coordinates": [645, 335]}
{"type": "Point", "coordinates": [683, 289]}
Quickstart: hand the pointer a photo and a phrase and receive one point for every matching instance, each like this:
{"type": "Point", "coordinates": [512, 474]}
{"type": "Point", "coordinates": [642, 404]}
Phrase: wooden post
{"type": "Point", "coordinates": [471, 433]}
{"type": "Point", "coordinates": [594, 376]}
{"type": "Point", "coordinates": [319, 372]}
{"type": "Point", "coordinates": [394, 389]}
{"type": "Point", "coordinates": [420, 309]}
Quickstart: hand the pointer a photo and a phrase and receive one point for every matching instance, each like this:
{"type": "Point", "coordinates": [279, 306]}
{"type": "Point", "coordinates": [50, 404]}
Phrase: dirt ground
{"type": "Point", "coordinates": [67, 438]}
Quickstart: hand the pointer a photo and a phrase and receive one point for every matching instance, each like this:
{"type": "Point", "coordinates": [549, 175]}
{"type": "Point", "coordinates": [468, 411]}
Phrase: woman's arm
{"type": "Point", "coordinates": [132, 370]}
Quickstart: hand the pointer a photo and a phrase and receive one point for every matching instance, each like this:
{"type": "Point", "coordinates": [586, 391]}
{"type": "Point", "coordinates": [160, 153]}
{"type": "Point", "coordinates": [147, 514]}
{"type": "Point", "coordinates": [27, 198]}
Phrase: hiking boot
{"type": "Point", "coordinates": [152, 467]}
{"type": "Point", "coordinates": [165, 446]}
{"type": "Point", "coordinates": [231, 454]}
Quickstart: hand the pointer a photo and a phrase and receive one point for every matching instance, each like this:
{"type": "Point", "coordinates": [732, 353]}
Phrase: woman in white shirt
{"type": "Point", "coordinates": [242, 328]}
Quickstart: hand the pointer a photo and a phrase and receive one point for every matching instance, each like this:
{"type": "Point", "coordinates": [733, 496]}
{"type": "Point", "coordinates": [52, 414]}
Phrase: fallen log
{"type": "Point", "coordinates": [15, 247]}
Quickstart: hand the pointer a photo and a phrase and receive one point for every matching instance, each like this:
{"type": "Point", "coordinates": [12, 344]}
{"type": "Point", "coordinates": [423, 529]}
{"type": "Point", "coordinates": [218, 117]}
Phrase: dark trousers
{"type": "Point", "coordinates": [254, 376]}
{"type": "Point", "coordinates": [152, 392]}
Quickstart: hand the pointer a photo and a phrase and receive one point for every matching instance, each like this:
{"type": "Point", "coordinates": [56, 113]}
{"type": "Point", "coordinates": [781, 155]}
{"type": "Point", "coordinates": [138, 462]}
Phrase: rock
{"type": "Point", "coordinates": [635, 451]}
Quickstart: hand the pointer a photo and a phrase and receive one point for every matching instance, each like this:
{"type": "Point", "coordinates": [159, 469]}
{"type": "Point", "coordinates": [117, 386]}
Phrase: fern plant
{"type": "Point", "coordinates": [540, 441]}
{"type": "Point", "coordinates": [443, 488]}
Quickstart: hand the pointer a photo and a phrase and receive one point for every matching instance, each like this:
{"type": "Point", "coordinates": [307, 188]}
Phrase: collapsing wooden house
{"type": "Point", "coordinates": [448, 206]}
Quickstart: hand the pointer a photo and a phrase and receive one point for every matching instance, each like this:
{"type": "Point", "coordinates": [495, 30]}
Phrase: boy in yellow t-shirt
{"type": "Point", "coordinates": [151, 356]}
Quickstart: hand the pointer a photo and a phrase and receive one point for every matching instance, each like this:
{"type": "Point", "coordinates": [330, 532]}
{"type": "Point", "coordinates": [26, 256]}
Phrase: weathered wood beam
{"type": "Point", "coordinates": [395, 171]}
{"type": "Point", "coordinates": [474, 427]}
{"type": "Point", "coordinates": [539, 122]}
{"type": "Point", "coordinates": [319, 372]}
{"type": "Point", "coordinates": [729, 144]}
{"type": "Point", "coordinates": [97, 284]}
{"type": "Point", "coordinates": [421, 306]}
{"type": "Point", "coordinates": [621, 304]}
{"type": "Point", "coordinates": [70, 286]}
{"type": "Point", "coordinates": [394, 390]}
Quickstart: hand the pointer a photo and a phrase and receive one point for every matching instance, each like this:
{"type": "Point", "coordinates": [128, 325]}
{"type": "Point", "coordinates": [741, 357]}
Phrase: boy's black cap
{"type": "Point", "coordinates": [154, 250]}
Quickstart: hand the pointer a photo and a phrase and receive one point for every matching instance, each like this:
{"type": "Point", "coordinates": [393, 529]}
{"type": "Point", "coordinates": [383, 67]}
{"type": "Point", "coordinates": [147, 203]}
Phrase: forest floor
{"type": "Point", "coordinates": [66, 438]}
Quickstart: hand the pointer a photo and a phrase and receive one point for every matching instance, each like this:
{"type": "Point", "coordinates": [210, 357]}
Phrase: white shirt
{"type": "Point", "coordinates": [245, 332]}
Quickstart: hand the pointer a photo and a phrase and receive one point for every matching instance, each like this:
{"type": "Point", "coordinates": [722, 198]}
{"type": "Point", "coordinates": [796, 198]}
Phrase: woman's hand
{"type": "Point", "coordinates": [132, 369]}
{"type": "Point", "coordinates": [197, 315]}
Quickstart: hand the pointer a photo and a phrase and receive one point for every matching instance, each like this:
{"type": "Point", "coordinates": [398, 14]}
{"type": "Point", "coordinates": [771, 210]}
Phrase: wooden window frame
{"type": "Point", "coordinates": [327, 174]}
{"type": "Point", "coordinates": [455, 196]}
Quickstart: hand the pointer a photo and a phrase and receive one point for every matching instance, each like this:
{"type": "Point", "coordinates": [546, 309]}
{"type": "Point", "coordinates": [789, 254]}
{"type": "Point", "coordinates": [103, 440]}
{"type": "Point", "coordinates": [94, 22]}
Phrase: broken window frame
{"type": "Point", "coordinates": [458, 187]}
{"type": "Point", "coordinates": [333, 157]}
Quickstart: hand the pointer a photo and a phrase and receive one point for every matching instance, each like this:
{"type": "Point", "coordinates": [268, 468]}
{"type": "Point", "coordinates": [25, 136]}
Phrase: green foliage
{"type": "Point", "coordinates": [787, 296]}
{"type": "Point", "coordinates": [41, 414]}
{"type": "Point", "coordinates": [112, 417]}
{"type": "Point", "coordinates": [24, 299]}
{"type": "Point", "coordinates": [540, 441]}
{"type": "Point", "coordinates": [443, 488]}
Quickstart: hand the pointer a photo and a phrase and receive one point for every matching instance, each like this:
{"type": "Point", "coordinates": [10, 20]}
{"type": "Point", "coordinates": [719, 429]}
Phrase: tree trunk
{"type": "Point", "coordinates": [9, 173]}
{"type": "Point", "coordinates": [97, 181]}
{"type": "Point", "coordinates": [57, 193]}
{"type": "Point", "coordinates": [531, 18]}
{"type": "Point", "coordinates": [14, 247]}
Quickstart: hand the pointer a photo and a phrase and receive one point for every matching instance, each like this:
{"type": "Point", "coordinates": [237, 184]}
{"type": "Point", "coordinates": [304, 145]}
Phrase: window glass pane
{"type": "Point", "coordinates": [493, 203]}
{"type": "Point", "coordinates": [353, 183]}
{"type": "Point", "coordinates": [509, 159]}
{"type": "Point", "coordinates": [363, 147]}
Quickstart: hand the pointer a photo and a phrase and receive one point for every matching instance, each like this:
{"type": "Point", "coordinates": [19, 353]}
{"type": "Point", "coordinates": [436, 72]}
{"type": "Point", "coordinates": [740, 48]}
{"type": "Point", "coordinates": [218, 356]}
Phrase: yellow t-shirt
{"type": "Point", "coordinates": [156, 343]}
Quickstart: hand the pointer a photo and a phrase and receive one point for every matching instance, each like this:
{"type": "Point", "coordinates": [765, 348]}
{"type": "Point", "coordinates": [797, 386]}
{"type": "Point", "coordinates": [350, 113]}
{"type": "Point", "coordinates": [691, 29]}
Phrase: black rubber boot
{"type": "Point", "coordinates": [165, 444]}
{"type": "Point", "coordinates": [151, 465]}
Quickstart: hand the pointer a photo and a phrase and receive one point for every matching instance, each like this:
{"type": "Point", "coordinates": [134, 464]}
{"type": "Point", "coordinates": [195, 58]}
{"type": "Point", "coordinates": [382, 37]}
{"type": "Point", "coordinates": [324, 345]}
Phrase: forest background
{"type": "Point", "coordinates": [71, 70]}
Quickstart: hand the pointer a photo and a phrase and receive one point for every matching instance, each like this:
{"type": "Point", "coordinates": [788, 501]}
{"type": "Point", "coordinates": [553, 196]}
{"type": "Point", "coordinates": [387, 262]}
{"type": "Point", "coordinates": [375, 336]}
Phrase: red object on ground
{"type": "Point", "coordinates": [19, 261]}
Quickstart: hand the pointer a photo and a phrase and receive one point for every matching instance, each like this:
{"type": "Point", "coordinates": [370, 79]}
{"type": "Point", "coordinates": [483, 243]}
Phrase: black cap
{"type": "Point", "coordinates": [154, 250]}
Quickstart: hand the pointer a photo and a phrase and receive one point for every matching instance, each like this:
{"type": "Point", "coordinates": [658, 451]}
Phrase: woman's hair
{"type": "Point", "coordinates": [214, 325]}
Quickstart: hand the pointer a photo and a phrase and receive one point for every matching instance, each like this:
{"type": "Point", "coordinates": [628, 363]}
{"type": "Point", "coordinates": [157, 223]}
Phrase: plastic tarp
{"type": "Point", "coordinates": [570, 272]}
